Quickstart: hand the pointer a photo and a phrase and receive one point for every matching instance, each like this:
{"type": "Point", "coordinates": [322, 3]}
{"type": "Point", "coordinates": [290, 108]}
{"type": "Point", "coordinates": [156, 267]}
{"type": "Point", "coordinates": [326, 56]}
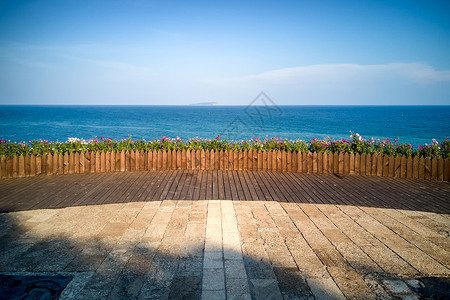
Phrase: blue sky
{"type": "Point", "coordinates": [184, 52]}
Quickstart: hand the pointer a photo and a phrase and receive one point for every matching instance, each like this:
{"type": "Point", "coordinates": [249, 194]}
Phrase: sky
{"type": "Point", "coordinates": [139, 52]}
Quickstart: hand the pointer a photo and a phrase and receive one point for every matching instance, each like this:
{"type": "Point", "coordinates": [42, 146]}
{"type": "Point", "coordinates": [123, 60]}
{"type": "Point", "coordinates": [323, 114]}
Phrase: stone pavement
{"type": "Point", "coordinates": [220, 249]}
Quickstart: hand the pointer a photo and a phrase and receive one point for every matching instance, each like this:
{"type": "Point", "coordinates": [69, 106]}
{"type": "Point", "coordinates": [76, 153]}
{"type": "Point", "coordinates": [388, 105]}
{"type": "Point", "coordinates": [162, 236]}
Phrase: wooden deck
{"type": "Point", "coordinates": [118, 187]}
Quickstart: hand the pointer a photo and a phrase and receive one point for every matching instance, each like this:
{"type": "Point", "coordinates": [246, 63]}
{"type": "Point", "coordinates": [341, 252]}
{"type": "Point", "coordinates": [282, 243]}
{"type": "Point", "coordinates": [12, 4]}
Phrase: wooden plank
{"type": "Point", "coordinates": [214, 163]}
{"type": "Point", "coordinates": [241, 160]}
{"type": "Point", "coordinates": [255, 160]}
{"type": "Point", "coordinates": [330, 163]}
{"type": "Point", "coordinates": [38, 165]}
{"type": "Point", "coordinates": [403, 167]}
{"type": "Point", "coordinates": [409, 167]}
{"type": "Point", "coordinates": [434, 169]}
{"type": "Point", "coordinates": [3, 168]}
{"type": "Point", "coordinates": [65, 167]}
{"type": "Point", "coordinates": [319, 162]}
{"type": "Point", "coordinates": [357, 164]}
{"type": "Point", "coordinates": [283, 161]}
{"type": "Point", "coordinates": [324, 163]}
{"type": "Point", "coordinates": [352, 163]}
{"type": "Point", "coordinates": [391, 166]}
{"type": "Point", "coordinates": [427, 169]}
{"type": "Point", "coordinates": [76, 162]}
{"type": "Point", "coordinates": [397, 167]}
{"type": "Point", "coordinates": [82, 163]}
{"type": "Point", "coordinates": [98, 163]}
{"type": "Point", "coordinates": [107, 162]}
{"type": "Point", "coordinates": [122, 160]}
{"type": "Point", "coordinates": [9, 168]}
{"type": "Point", "coordinates": [236, 160]}
{"type": "Point", "coordinates": [447, 170]}
{"type": "Point", "coordinates": [440, 171]}
{"type": "Point", "coordinates": [149, 162]}
{"type": "Point", "coordinates": [341, 163]}
{"type": "Point", "coordinates": [385, 166]}
{"type": "Point", "coordinates": [299, 162]}
{"type": "Point", "coordinates": [164, 160]}
{"type": "Point", "coordinates": [221, 155]}
{"type": "Point", "coordinates": [289, 161]}
{"type": "Point", "coordinates": [160, 160]}
{"type": "Point", "coordinates": [182, 159]}
{"type": "Point", "coordinates": [363, 165]}
{"type": "Point", "coordinates": [55, 159]}
{"type": "Point", "coordinates": [224, 160]}
{"type": "Point", "coordinates": [294, 161]}
{"type": "Point", "coordinates": [279, 162]}
{"type": "Point", "coordinates": [93, 162]}
{"type": "Point", "coordinates": [32, 165]}
{"type": "Point", "coordinates": [260, 159]}
{"type": "Point", "coordinates": [154, 160]}
{"type": "Point", "coordinates": [368, 164]}
{"type": "Point", "coordinates": [197, 159]}
{"type": "Point", "coordinates": [71, 163]}
{"type": "Point", "coordinates": [173, 159]}
{"type": "Point", "coordinates": [202, 160]}
{"type": "Point", "coordinates": [207, 160]}
{"type": "Point", "coordinates": [314, 163]}
{"type": "Point", "coordinates": [305, 162]}
{"type": "Point", "coordinates": [379, 165]}
{"type": "Point", "coordinates": [216, 160]}
{"type": "Point", "coordinates": [102, 162]}
{"type": "Point", "coordinates": [21, 166]}
{"type": "Point", "coordinates": [310, 162]}
{"type": "Point", "coordinates": [274, 160]}
{"type": "Point", "coordinates": [421, 168]}
{"type": "Point", "coordinates": [49, 165]}
{"type": "Point", "coordinates": [168, 164]}
{"type": "Point", "coordinates": [250, 160]}
{"type": "Point", "coordinates": [336, 163]}
{"type": "Point", "coordinates": [113, 156]}
{"type": "Point", "coordinates": [374, 165]}
{"type": "Point", "coordinates": [230, 160]}
{"type": "Point", "coordinates": [346, 163]}
{"type": "Point", "coordinates": [26, 164]}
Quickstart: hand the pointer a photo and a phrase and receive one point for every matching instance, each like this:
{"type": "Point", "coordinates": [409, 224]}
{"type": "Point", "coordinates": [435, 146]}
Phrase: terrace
{"type": "Point", "coordinates": [217, 234]}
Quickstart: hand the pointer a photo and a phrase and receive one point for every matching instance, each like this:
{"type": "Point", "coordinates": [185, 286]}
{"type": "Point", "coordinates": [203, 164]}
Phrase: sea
{"type": "Point", "coordinates": [410, 124]}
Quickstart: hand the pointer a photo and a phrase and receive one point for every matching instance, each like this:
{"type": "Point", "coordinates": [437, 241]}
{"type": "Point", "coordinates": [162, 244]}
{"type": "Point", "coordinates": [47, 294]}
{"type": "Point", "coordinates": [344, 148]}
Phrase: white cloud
{"type": "Point", "coordinates": [417, 72]}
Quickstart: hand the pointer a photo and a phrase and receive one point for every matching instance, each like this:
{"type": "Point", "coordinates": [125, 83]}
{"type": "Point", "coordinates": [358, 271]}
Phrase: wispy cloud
{"type": "Point", "coordinates": [338, 73]}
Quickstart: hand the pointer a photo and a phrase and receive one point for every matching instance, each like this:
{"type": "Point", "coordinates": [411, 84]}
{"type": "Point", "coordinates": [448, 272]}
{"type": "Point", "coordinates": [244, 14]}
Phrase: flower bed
{"type": "Point", "coordinates": [354, 157]}
{"type": "Point", "coordinates": [356, 145]}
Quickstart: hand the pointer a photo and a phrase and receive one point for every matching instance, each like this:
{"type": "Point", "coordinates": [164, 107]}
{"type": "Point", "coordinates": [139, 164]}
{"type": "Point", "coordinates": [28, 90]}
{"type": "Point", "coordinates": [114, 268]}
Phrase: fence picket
{"type": "Point", "coordinates": [434, 169]}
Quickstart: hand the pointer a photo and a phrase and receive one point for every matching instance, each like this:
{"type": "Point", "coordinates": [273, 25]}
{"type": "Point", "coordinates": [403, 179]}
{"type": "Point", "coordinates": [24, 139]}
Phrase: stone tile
{"type": "Point", "coordinates": [213, 260]}
{"type": "Point", "coordinates": [324, 288]}
{"type": "Point", "coordinates": [235, 269]}
{"type": "Point", "coordinates": [265, 289]}
{"type": "Point", "coordinates": [185, 287]}
{"type": "Point", "coordinates": [213, 279]}
{"type": "Point", "coordinates": [216, 295]}
{"type": "Point", "coordinates": [237, 289]}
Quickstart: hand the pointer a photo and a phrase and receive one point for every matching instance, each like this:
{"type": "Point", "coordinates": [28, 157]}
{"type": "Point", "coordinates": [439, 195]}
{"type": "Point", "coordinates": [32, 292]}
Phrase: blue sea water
{"type": "Point", "coordinates": [411, 124]}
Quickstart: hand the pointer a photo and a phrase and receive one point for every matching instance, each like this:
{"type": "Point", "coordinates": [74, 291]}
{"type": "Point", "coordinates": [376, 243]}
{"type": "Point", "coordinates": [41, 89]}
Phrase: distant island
{"type": "Point", "coordinates": [204, 104]}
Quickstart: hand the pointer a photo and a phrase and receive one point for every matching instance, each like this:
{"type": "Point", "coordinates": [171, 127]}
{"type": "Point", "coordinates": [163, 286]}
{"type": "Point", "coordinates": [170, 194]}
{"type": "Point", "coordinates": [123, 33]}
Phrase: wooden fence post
{"type": "Point", "coordinates": [314, 163]}
{"type": "Point", "coordinates": [379, 165]}
{"type": "Point", "coordinates": [440, 172]}
{"type": "Point", "coordinates": [434, 169]}
{"type": "Point", "coordinates": [32, 165]}
{"type": "Point", "coordinates": [403, 167]}
{"type": "Point", "coordinates": [422, 168]}
{"type": "Point", "coordinates": [447, 170]}
{"type": "Point", "coordinates": [368, 164]}
{"type": "Point", "coordinates": [427, 169]}
{"type": "Point", "coordinates": [409, 167]}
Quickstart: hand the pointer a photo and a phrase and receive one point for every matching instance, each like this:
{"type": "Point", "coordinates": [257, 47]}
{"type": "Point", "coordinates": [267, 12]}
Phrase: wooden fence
{"type": "Point", "coordinates": [322, 163]}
